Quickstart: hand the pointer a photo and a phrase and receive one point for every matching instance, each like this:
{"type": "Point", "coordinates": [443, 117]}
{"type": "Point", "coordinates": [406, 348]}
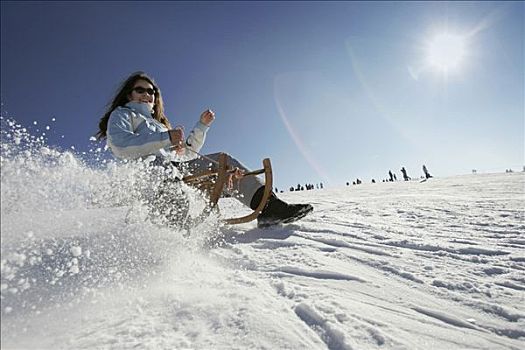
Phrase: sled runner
{"type": "Point", "coordinates": [212, 182]}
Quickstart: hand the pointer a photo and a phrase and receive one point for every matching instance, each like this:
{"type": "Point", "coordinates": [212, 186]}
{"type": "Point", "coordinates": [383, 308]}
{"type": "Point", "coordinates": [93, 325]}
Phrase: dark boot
{"type": "Point", "coordinates": [276, 211]}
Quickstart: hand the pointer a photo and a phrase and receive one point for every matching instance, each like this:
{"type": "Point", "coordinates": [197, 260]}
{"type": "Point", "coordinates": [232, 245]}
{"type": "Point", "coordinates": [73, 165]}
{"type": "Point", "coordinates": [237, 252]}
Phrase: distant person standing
{"type": "Point", "coordinates": [405, 176]}
{"type": "Point", "coordinates": [427, 174]}
{"type": "Point", "coordinates": [391, 176]}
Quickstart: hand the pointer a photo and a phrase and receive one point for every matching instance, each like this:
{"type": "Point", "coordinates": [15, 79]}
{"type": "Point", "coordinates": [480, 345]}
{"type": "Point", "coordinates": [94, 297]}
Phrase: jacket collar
{"type": "Point", "coordinates": [142, 108]}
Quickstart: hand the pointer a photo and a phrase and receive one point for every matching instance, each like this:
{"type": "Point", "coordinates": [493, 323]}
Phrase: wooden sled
{"type": "Point", "coordinates": [212, 183]}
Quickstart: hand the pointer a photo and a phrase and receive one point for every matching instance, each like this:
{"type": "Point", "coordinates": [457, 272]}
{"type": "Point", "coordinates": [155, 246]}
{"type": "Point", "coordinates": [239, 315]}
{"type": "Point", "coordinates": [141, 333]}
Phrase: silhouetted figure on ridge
{"type": "Point", "coordinates": [405, 176]}
{"type": "Point", "coordinates": [391, 176]}
{"type": "Point", "coordinates": [427, 174]}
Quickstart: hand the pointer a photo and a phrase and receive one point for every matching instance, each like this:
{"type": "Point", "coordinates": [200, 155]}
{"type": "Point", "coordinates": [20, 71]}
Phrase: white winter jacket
{"type": "Point", "coordinates": [133, 133]}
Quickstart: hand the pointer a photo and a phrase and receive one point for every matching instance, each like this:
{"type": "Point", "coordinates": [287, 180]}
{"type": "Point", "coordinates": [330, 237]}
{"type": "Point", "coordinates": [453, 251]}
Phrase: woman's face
{"type": "Point", "coordinates": [143, 92]}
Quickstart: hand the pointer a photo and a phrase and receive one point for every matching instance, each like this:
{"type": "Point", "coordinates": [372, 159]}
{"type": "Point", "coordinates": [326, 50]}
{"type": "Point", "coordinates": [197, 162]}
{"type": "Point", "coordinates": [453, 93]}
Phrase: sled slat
{"type": "Point", "coordinates": [255, 172]}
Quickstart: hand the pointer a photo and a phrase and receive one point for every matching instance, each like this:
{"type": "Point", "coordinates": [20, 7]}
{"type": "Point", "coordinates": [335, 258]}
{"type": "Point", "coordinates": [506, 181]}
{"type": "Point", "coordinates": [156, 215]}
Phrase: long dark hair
{"type": "Point", "coordinates": [121, 98]}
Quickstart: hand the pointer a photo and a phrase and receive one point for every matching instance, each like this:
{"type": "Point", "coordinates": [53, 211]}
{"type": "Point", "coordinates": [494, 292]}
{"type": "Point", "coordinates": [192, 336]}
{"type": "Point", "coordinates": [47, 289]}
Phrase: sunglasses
{"type": "Point", "coordinates": [141, 90]}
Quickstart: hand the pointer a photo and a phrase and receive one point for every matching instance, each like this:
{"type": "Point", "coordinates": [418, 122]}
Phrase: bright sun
{"type": "Point", "coordinates": [445, 52]}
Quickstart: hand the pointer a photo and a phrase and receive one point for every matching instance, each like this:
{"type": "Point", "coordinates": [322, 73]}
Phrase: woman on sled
{"type": "Point", "coordinates": [136, 128]}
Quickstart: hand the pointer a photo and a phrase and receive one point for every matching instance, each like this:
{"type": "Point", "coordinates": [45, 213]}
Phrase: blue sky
{"type": "Point", "coordinates": [330, 91]}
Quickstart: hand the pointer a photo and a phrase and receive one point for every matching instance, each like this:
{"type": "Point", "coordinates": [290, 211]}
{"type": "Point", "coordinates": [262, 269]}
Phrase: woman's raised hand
{"type": "Point", "coordinates": [207, 117]}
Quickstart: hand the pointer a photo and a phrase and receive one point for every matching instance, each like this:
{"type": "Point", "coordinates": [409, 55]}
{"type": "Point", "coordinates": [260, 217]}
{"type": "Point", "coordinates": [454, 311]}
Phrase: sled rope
{"type": "Point", "coordinates": [255, 172]}
{"type": "Point", "coordinates": [200, 155]}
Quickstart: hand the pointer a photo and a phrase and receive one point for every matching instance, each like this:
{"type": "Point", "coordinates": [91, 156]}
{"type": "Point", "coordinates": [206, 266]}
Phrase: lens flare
{"type": "Point", "coordinates": [299, 142]}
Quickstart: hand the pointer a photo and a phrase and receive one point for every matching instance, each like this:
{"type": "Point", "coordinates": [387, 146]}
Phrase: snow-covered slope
{"type": "Point", "coordinates": [405, 265]}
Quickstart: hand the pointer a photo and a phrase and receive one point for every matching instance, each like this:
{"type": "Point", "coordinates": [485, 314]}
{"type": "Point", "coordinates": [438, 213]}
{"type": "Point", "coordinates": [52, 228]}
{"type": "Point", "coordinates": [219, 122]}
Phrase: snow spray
{"type": "Point", "coordinates": [72, 226]}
